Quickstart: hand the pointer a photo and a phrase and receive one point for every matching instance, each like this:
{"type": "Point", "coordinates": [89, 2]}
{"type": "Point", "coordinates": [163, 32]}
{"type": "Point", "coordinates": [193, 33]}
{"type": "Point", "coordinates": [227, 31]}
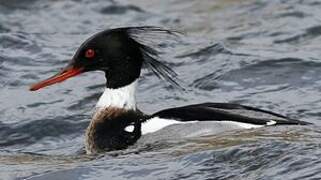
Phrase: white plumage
{"type": "Point", "coordinates": [123, 97]}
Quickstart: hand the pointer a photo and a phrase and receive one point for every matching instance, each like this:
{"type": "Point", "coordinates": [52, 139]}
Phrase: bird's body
{"type": "Point", "coordinates": [117, 122]}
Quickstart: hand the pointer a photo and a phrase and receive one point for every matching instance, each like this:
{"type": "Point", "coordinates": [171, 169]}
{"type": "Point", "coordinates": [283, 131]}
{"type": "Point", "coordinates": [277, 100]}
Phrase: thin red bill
{"type": "Point", "coordinates": [63, 75]}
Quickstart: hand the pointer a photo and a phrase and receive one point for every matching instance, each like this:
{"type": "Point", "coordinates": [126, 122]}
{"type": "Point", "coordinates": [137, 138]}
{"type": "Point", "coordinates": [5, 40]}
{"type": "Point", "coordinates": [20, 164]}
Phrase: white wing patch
{"type": "Point", "coordinates": [156, 123]}
{"type": "Point", "coordinates": [270, 123]}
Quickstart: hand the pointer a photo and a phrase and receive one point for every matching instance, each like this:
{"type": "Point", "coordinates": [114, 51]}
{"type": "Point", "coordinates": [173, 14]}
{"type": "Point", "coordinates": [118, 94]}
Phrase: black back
{"type": "Point", "coordinates": [226, 112]}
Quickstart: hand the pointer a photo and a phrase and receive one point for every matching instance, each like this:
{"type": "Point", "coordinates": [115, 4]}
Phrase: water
{"type": "Point", "coordinates": [260, 53]}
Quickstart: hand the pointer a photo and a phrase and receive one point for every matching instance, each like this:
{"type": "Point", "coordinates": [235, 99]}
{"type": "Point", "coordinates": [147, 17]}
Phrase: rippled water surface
{"type": "Point", "coordinates": [254, 52]}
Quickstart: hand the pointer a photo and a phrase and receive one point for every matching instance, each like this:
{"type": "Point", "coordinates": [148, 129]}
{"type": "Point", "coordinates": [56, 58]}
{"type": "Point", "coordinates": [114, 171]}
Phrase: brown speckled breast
{"type": "Point", "coordinates": [106, 130]}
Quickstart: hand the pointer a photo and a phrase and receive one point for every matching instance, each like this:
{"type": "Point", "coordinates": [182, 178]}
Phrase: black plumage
{"type": "Point", "coordinates": [121, 53]}
{"type": "Point", "coordinates": [226, 112]}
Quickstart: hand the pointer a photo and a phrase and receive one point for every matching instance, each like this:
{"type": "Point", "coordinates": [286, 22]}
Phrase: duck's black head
{"type": "Point", "coordinates": [119, 53]}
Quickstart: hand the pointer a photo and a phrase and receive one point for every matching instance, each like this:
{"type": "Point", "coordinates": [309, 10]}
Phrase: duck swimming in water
{"type": "Point", "coordinates": [117, 123]}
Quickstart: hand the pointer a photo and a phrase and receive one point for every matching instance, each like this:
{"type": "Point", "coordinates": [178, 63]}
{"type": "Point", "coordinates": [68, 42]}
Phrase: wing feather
{"type": "Point", "coordinates": [227, 112]}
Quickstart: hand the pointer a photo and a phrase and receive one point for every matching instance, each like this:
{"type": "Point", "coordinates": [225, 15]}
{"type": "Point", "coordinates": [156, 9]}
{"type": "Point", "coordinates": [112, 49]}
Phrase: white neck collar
{"type": "Point", "coordinates": [123, 97]}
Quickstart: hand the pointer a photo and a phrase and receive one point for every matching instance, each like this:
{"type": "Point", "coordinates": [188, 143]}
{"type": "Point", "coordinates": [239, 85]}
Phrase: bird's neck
{"type": "Point", "coordinates": [115, 110]}
{"type": "Point", "coordinates": [123, 97]}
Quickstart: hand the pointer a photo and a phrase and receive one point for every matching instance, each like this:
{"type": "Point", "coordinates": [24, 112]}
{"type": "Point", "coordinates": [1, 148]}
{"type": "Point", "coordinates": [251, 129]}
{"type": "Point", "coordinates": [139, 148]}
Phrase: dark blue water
{"type": "Point", "coordinates": [259, 53]}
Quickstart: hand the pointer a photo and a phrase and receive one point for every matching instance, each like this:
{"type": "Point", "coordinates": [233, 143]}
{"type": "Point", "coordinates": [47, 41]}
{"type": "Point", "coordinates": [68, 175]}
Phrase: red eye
{"type": "Point", "coordinates": [90, 53]}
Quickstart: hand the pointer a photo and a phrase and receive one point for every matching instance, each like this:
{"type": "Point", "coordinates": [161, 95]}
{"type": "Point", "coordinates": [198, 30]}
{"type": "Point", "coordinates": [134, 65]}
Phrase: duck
{"type": "Point", "coordinates": [117, 123]}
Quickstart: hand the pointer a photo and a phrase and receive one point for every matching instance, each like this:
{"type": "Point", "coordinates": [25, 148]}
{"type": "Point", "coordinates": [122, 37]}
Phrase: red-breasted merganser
{"type": "Point", "coordinates": [117, 123]}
